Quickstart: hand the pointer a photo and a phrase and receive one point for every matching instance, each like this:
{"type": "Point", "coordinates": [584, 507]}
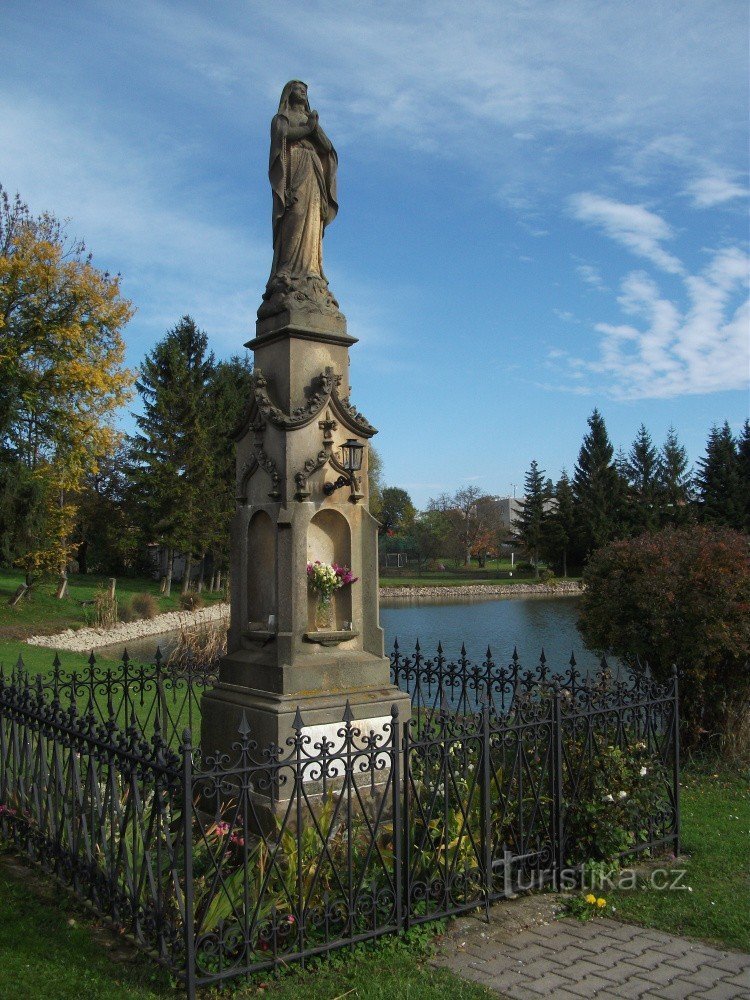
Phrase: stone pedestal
{"type": "Point", "coordinates": [287, 449]}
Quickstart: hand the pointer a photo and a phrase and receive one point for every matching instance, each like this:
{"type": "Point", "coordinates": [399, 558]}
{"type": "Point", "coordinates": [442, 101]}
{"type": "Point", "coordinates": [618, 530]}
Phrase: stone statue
{"type": "Point", "coordinates": [302, 171]}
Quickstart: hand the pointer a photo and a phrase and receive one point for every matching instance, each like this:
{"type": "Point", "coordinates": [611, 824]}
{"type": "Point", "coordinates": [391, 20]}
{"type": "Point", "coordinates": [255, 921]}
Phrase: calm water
{"type": "Point", "coordinates": [530, 623]}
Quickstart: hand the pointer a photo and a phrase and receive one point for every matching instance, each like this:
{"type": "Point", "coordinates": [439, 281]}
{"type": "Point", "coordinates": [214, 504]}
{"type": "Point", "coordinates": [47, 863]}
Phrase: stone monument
{"type": "Point", "coordinates": [297, 500]}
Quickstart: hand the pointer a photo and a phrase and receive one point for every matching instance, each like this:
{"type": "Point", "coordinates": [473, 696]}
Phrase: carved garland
{"type": "Point", "coordinates": [322, 388]}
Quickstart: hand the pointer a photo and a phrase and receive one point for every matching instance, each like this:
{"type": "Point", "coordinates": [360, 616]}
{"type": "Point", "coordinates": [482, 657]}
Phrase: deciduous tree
{"type": "Point", "coordinates": [61, 372]}
{"type": "Point", "coordinates": [679, 596]}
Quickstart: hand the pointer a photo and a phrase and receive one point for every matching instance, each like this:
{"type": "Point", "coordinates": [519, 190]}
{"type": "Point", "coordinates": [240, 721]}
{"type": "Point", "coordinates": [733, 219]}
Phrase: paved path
{"type": "Point", "coordinates": [602, 959]}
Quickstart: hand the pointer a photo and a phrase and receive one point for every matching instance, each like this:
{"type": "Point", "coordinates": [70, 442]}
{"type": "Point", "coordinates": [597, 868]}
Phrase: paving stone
{"type": "Point", "coordinates": [549, 984]}
{"type": "Point", "coordinates": [648, 959]}
{"type": "Point", "coordinates": [733, 961]}
{"type": "Point", "coordinates": [680, 989]}
{"type": "Point", "coordinates": [632, 988]}
{"type": "Point", "coordinates": [740, 979]}
{"type": "Point", "coordinates": [579, 970]}
{"type": "Point", "coordinates": [662, 975]}
{"type": "Point", "coordinates": [726, 991]}
{"type": "Point", "coordinates": [590, 986]}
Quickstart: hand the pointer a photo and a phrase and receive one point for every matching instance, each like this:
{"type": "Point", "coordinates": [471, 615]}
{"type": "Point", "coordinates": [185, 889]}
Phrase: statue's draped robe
{"type": "Point", "coordinates": [303, 180]}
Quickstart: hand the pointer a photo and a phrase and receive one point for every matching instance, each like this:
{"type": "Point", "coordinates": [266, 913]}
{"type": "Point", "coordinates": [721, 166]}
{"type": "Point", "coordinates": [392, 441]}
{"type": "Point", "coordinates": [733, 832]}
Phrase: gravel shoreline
{"type": "Point", "coordinates": [85, 639]}
{"type": "Point", "coordinates": [561, 588]}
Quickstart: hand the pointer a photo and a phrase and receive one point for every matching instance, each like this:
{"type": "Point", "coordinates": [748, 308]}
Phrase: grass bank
{"type": "Point", "coordinates": [715, 902]}
{"type": "Point", "coordinates": [41, 612]}
{"type": "Point", "coordinates": [51, 949]}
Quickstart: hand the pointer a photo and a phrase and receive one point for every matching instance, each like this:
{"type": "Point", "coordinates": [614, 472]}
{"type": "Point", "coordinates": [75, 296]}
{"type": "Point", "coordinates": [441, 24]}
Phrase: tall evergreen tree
{"type": "Point", "coordinates": [743, 455]}
{"type": "Point", "coordinates": [561, 525]}
{"type": "Point", "coordinates": [596, 490]}
{"type": "Point", "coordinates": [531, 524]}
{"type": "Point", "coordinates": [229, 391]}
{"type": "Point", "coordinates": [721, 499]}
{"type": "Point", "coordinates": [171, 452]}
{"type": "Point", "coordinates": [642, 474]}
{"type": "Point", "coordinates": [673, 481]}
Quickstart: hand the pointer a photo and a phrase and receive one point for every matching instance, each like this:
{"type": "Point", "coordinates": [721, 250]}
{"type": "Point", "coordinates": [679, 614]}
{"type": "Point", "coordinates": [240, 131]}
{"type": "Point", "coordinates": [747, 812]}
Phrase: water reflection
{"type": "Point", "coordinates": [528, 623]}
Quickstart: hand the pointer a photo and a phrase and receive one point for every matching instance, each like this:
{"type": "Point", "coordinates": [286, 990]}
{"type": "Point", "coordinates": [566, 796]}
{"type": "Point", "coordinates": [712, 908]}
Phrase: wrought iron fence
{"type": "Point", "coordinates": [220, 866]}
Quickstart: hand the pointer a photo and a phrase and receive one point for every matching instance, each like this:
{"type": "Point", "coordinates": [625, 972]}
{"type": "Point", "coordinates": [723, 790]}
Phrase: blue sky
{"type": "Point", "coordinates": [543, 205]}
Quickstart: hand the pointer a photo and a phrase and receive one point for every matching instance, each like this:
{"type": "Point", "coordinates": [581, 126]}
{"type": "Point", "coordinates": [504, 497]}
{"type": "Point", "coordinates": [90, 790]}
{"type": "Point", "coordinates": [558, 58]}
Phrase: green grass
{"type": "Point", "coordinates": [716, 845]}
{"type": "Point", "coordinates": [52, 949]}
{"type": "Point", "coordinates": [42, 613]}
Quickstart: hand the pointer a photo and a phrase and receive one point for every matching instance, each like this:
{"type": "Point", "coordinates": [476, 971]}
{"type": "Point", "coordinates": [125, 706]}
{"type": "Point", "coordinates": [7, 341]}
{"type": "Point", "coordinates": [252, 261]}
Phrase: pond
{"type": "Point", "coordinates": [528, 623]}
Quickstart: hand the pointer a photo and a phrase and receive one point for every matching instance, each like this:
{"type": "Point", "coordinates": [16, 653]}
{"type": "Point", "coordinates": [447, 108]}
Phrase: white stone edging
{"type": "Point", "coordinates": [84, 639]}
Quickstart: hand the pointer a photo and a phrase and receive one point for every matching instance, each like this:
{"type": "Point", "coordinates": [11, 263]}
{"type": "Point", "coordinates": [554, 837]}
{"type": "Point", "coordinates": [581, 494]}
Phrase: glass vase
{"type": "Point", "coordinates": [324, 613]}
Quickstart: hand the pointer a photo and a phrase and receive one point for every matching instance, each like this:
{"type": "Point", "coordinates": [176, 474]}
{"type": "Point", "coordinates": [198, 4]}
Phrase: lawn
{"type": "Point", "coordinates": [716, 845]}
{"type": "Point", "coordinates": [51, 949]}
{"type": "Point", "coordinates": [42, 613]}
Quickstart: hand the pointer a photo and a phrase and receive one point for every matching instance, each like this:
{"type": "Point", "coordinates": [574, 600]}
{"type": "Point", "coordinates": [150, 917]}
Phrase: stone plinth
{"type": "Point", "coordinates": [288, 447]}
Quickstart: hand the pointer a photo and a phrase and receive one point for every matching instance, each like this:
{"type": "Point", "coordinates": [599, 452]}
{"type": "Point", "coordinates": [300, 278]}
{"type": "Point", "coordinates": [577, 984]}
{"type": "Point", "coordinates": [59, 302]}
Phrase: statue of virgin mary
{"type": "Point", "coordinates": [302, 171]}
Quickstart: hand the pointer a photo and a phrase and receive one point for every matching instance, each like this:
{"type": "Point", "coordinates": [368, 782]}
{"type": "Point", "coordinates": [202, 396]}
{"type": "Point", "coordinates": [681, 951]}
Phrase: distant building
{"type": "Point", "coordinates": [510, 509]}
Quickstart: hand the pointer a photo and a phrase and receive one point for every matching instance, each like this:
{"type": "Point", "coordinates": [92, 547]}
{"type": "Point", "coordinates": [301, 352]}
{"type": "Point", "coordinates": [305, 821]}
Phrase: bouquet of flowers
{"type": "Point", "coordinates": [325, 579]}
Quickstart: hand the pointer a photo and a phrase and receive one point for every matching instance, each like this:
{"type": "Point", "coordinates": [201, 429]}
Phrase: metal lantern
{"type": "Point", "coordinates": [351, 455]}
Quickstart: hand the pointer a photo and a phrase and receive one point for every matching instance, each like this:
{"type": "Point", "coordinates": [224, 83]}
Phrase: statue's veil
{"type": "Point", "coordinates": [284, 100]}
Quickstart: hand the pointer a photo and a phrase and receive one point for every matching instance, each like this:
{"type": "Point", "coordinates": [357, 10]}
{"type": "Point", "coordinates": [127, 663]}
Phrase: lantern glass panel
{"type": "Point", "coordinates": [352, 455]}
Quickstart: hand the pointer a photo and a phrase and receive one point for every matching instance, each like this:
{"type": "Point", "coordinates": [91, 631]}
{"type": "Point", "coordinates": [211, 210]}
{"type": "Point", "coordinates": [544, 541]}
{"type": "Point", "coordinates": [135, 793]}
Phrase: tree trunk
{"type": "Point", "coordinates": [82, 553]}
{"type": "Point", "coordinates": [168, 577]}
{"type": "Point", "coordinates": [112, 588]}
{"type": "Point", "coordinates": [218, 579]}
{"type": "Point", "coordinates": [201, 574]}
{"type": "Point", "coordinates": [62, 586]}
{"type": "Point", "coordinates": [212, 582]}
{"type": "Point", "coordinates": [565, 563]}
{"type": "Point", "coordinates": [186, 574]}
{"type": "Point", "coordinates": [23, 589]}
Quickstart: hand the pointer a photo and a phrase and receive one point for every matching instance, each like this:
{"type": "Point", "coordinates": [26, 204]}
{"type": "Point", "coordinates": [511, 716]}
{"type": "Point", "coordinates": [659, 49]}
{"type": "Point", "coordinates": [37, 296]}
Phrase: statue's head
{"type": "Point", "coordinates": [294, 90]}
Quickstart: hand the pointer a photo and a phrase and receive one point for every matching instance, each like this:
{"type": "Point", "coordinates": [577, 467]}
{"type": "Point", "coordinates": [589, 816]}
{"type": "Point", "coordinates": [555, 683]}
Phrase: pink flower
{"type": "Point", "coordinates": [7, 811]}
{"type": "Point", "coordinates": [221, 829]}
{"type": "Point", "coordinates": [290, 919]}
{"type": "Point", "coordinates": [237, 840]}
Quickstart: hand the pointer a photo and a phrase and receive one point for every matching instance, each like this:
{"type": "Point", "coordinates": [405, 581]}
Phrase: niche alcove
{"type": "Point", "coordinates": [329, 540]}
{"type": "Point", "coordinates": [261, 570]}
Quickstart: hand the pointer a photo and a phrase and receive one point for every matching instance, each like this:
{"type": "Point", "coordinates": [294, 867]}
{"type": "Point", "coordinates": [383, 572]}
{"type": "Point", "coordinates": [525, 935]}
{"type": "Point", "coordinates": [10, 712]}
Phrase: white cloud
{"type": "Point", "coordinates": [633, 226]}
{"type": "Point", "coordinates": [590, 274]}
{"type": "Point", "coordinates": [669, 350]}
{"type": "Point", "coordinates": [706, 192]}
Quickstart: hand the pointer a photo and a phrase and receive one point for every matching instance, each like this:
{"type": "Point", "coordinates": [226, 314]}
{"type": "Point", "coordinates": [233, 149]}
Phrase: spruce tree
{"type": "Point", "coordinates": [171, 453]}
{"type": "Point", "coordinates": [532, 522]}
{"type": "Point", "coordinates": [673, 481]}
{"type": "Point", "coordinates": [596, 490]}
{"type": "Point", "coordinates": [642, 474]}
{"type": "Point", "coordinates": [560, 524]}
{"type": "Point", "coordinates": [230, 391]}
{"type": "Point", "coordinates": [743, 455]}
{"type": "Point", "coordinates": [721, 499]}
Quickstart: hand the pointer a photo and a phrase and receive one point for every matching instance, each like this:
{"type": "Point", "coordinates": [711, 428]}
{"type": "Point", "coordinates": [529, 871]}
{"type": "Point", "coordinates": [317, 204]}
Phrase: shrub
{"type": "Point", "coordinates": [126, 613]}
{"type": "Point", "coordinates": [191, 602]}
{"type": "Point", "coordinates": [145, 605]}
{"type": "Point", "coordinates": [105, 608]}
{"type": "Point", "coordinates": [680, 596]}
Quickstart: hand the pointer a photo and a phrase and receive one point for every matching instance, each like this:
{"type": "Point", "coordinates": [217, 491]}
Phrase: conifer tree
{"type": "Point", "coordinates": [561, 524]}
{"type": "Point", "coordinates": [673, 481]}
{"type": "Point", "coordinates": [642, 475]}
{"type": "Point", "coordinates": [743, 455]}
{"type": "Point", "coordinates": [230, 389]}
{"type": "Point", "coordinates": [532, 522]}
{"type": "Point", "coordinates": [721, 500]}
{"type": "Point", "coordinates": [596, 489]}
{"type": "Point", "coordinates": [171, 454]}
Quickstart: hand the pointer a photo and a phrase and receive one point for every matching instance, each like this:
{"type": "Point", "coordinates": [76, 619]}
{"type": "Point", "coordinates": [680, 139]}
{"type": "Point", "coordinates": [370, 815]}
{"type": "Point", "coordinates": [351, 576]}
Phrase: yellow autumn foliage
{"type": "Point", "coordinates": [62, 362]}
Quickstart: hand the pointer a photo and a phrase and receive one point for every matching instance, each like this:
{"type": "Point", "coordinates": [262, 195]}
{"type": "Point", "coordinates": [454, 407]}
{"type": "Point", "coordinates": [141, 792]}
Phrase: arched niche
{"type": "Point", "coordinates": [329, 540]}
{"type": "Point", "coordinates": [261, 569]}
